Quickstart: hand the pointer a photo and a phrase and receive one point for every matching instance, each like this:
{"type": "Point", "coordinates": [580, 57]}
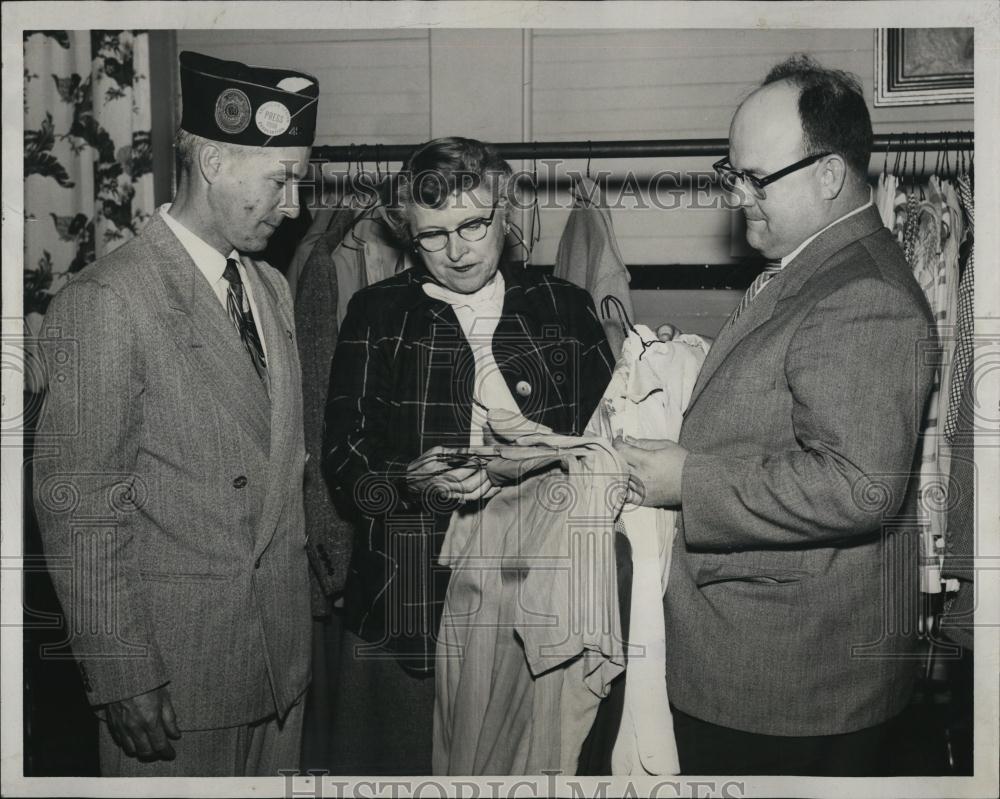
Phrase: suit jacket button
{"type": "Point", "coordinates": [523, 388]}
{"type": "Point", "coordinates": [240, 482]}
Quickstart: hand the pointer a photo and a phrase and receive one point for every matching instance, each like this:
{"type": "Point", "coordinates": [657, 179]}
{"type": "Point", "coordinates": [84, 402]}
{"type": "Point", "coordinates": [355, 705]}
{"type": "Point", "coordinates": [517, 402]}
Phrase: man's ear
{"type": "Point", "coordinates": [832, 175]}
{"type": "Point", "coordinates": [210, 158]}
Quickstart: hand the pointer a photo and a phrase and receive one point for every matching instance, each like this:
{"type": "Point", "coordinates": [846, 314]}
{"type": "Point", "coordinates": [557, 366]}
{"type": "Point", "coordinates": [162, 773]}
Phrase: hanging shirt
{"type": "Point", "coordinates": [478, 315]}
{"type": "Point", "coordinates": [538, 561]}
{"type": "Point", "coordinates": [885, 199]}
{"type": "Point", "coordinates": [588, 254]}
{"type": "Point", "coordinates": [211, 263]}
{"type": "Point", "coordinates": [645, 399]}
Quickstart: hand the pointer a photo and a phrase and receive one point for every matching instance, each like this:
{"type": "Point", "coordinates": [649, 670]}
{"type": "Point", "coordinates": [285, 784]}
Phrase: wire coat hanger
{"type": "Point", "coordinates": [612, 303]}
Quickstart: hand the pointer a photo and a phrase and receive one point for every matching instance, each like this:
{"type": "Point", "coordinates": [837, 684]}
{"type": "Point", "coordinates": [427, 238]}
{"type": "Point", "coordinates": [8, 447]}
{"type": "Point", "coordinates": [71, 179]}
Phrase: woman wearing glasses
{"type": "Point", "coordinates": [422, 358]}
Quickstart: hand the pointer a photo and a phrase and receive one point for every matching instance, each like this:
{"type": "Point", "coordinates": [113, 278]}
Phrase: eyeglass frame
{"type": "Point", "coordinates": [722, 168]}
{"type": "Point", "coordinates": [416, 240]}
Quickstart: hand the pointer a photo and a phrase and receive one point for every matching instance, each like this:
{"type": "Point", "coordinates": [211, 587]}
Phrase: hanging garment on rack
{"type": "Point", "coordinates": [367, 255]}
{"type": "Point", "coordinates": [885, 199]}
{"type": "Point", "coordinates": [645, 399]}
{"type": "Point", "coordinates": [588, 254]}
{"type": "Point", "coordinates": [952, 231]}
{"type": "Point", "coordinates": [328, 535]}
{"type": "Point", "coordinates": [530, 639]}
{"type": "Point", "coordinates": [316, 320]}
{"type": "Point", "coordinates": [909, 230]}
{"type": "Point", "coordinates": [933, 259]}
{"type": "Point", "coordinates": [966, 311]}
{"type": "Point", "coordinates": [958, 615]}
{"type": "Point", "coordinates": [925, 254]}
{"type": "Point", "coordinates": [317, 227]}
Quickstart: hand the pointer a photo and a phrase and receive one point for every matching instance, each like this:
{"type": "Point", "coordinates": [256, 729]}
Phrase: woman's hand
{"type": "Point", "coordinates": [448, 472]}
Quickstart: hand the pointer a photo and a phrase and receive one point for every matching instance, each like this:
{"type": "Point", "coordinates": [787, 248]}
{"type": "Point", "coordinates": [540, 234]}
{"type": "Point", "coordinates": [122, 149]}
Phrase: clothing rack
{"type": "Point", "coordinates": [643, 148]}
{"type": "Point", "coordinates": [734, 276]}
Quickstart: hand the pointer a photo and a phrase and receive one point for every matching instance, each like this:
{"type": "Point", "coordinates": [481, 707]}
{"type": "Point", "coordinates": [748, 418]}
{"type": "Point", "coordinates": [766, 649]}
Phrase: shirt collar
{"type": "Point", "coordinates": [794, 253]}
{"type": "Point", "coordinates": [209, 260]}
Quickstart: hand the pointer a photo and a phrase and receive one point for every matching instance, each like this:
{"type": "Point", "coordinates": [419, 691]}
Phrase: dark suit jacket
{"type": "Point", "coordinates": [168, 487]}
{"type": "Point", "coordinates": [791, 602]}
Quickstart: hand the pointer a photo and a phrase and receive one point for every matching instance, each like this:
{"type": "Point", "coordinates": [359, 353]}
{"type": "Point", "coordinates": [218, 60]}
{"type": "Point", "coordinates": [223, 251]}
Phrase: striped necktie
{"type": "Point", "coordinates": [243, 319]}
{"type": "Point", "coordinates": [756, 287]}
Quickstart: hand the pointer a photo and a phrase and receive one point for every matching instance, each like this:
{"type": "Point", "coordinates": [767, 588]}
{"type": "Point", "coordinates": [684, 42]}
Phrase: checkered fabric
{"type": "Point", "coordinates": [401, 383]}
{"type": "Point", "coordinates": [966, 323]}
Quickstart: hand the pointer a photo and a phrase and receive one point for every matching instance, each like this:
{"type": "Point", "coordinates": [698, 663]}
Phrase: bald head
{"type": "Point", "coordinates": [768, 129]}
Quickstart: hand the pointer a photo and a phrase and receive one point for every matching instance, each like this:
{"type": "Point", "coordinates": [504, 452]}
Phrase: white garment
{"type": "Point", "coordinates": [645, 399]}
{"type": "Point", "coordinates": [478, 315]}
{"type": "Point", "coordinates": [211, 263]}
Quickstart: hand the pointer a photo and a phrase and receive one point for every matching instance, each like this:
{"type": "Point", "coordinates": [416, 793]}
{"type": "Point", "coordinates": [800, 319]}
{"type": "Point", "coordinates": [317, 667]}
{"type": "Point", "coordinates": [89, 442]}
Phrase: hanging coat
{"type": "Point", "coordinates": [588, 254]}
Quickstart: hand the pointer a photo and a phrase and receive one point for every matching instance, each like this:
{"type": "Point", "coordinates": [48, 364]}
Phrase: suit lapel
{"type": "Point", "coordinates": [816, 254]}
{"type": "Point", "coordinates": [276, 330]}
{"type": "Point", "coordinates": [204, 333]}
{"type": "Point", "coordinates": [755, 314]}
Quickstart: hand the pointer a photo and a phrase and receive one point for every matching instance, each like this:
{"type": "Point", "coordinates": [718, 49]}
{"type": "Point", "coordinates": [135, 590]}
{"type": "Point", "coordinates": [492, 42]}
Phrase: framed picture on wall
{"type": "Point", "coordinates": [923, 66]}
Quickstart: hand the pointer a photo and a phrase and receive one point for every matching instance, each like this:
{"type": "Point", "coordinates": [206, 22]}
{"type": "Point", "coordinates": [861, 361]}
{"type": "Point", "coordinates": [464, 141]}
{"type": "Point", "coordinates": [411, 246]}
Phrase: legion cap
{"type": "Point", "coordinates": [255, 106]}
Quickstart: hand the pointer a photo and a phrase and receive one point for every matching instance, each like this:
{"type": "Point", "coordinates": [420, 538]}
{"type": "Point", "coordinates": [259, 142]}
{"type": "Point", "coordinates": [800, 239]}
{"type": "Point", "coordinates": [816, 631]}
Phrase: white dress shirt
{"type": "Point", "coordinates": [211, 263]}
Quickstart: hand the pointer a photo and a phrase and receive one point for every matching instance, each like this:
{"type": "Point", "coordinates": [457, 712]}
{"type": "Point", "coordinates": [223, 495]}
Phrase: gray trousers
{"type": "Point", "coordinates": [260, 749]}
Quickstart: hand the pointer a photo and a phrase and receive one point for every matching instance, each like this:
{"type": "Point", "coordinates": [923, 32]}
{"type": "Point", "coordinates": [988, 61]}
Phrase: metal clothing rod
{"type": "Point", "coordinates": [643, 148]}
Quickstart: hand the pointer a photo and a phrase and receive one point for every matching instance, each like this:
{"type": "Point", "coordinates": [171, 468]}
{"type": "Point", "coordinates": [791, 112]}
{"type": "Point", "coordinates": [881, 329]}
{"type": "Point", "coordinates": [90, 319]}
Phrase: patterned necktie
{"type": "Point", "coordinates": [760, 281]}
{"type": "Point", "coordinates": [243, 320]}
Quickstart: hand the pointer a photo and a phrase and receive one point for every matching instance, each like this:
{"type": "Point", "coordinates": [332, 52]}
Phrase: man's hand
{"type": "Point", "coordinates": [446, 471]}
{"type": "Point", "coordinates": [655, 470]}
{"type": "Point", "coordinates": [141, 725]}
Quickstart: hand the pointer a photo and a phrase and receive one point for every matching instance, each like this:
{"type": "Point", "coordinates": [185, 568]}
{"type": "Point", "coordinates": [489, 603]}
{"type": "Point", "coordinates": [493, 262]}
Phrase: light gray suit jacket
{"type": "Point", "coordinates": [168, 487]}
{"type": "Point", "coordinates": [791, 602]}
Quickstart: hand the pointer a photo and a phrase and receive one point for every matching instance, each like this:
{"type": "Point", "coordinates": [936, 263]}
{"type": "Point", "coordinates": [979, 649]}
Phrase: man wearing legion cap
{"type": "Point", "coordinates": [184, 574]}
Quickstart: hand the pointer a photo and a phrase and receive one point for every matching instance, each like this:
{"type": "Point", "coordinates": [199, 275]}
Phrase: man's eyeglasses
{"type": "Point", "coordinates": [731, 178]}
{"type": "Point", "coordinates": [437, 240]}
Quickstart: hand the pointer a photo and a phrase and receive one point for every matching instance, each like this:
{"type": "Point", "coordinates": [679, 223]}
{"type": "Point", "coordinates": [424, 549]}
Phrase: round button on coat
{"type": "Point", "coordinates": [523, 388]}
{"type": "Point", "coordinates": [240, 482]}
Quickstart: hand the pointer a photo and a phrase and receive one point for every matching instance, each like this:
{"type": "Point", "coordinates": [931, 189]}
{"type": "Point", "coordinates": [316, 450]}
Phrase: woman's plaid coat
{"type": "Point", "coordinates": [401, 383]}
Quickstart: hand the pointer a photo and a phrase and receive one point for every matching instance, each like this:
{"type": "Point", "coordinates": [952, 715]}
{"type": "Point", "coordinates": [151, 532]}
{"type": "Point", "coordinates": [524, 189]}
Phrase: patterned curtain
{"type": "Point", "coordinates": [88, 179]}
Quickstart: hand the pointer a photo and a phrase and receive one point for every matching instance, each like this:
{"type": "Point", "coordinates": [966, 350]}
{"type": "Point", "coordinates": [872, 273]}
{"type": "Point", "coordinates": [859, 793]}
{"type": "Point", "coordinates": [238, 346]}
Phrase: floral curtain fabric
{"type": "Point", "coordinates": [88, 180]}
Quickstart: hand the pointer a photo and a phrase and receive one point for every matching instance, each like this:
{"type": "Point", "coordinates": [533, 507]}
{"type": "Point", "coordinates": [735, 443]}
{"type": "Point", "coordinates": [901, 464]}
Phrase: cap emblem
{"type": "Point", "coordinates": [232, 111]}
